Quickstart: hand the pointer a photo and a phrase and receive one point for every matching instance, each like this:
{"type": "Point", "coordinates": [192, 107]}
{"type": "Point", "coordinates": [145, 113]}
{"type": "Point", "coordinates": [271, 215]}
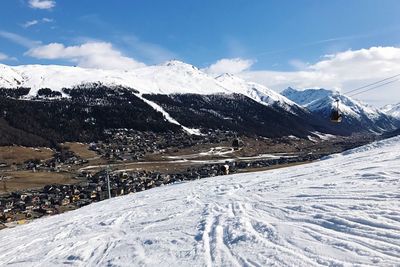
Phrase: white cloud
{"type": "Point", "coordinates": [3, 56]}
{"type": "Point", "coordinates": [45, 20]}
{"type": "Point", "coordinates": [18, 39]}
{"type": "Point", "coordinates": [229, 65]}
{"type": "Point", "coordinates": [148, 52]}
{"type": "Point", "coordinates": [36, 22]}
{"type": "Point", "coordinates": [6, 57]}
{"type": "Point", "coordinates": [30, 23]}
{"type": "Point", "coordinates": [42, 4]}
{"type": "Point", "coordinates": [298, 64]}
{"type": "Point", "coordinates": [343, 71]}
{"type": "Point", "coordinates": [90, 55]}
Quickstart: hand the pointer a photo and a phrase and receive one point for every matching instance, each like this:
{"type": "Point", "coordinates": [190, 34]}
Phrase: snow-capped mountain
{"type": "Point", "coordinates": [223, 100]}
{"type": "Point", "coordinates": [170, 96]}
{"type": "Point", "coordinates": [173, 77]}
{"type": "Point", "coordinates": [356, 114]}
{"type": "Point", "coordinates": [342, 211]}
{"type": "Point", "coordinates": [392, 110]}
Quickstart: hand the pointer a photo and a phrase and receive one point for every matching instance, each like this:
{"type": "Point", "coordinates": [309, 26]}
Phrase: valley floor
{"type": "Point", "coordinates": [340, 211]}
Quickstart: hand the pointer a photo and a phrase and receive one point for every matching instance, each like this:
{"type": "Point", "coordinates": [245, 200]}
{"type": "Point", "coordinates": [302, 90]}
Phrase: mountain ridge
{"type": "Point", "coordinates": [356, 115]}
{"type": "Point", "coordinates": [164, 96]}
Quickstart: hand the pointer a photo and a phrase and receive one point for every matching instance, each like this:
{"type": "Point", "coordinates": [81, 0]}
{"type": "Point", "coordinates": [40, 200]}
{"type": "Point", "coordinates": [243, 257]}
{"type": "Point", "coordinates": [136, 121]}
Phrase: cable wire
{"type": "Point", "coordinates": [369, 89]}
{"type": "Point", "coordinates": [368, 85]}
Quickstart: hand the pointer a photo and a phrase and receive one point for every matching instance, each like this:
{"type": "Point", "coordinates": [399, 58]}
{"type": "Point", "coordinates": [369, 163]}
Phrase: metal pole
{"type": "Point", "coordinates": [4, 180]}
{"type": "Point", "coordinates": [108, 182]}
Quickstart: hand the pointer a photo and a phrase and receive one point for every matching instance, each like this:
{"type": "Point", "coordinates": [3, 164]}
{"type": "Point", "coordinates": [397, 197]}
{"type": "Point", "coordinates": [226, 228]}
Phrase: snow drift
{"type": "Point", "coordinates": [341, 211]}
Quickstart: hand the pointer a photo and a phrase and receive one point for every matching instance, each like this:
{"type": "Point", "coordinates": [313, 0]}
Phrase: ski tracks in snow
{"type": "Point", "coordinates": [336, 212]}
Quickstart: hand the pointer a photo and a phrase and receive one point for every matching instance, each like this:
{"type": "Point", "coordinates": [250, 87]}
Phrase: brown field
{"type": "Point", "coordinates": [160, 166]}
{"type": "Point", "coordinates": [82, 150]}
{"type": "Point", "coordinates": [21, 180]}
{"type": "Point", "coordinates": [252, 147]}
{"type": "Point", "coordinates": [19, 154]}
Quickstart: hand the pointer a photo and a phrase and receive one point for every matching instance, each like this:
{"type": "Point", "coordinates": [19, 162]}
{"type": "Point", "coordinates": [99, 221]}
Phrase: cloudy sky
{"type": "Point", "coordinates": [337, 44]}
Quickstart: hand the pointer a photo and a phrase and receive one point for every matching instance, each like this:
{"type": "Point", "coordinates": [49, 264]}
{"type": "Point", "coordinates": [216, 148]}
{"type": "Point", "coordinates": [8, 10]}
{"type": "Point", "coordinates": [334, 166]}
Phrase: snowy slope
{"type": "Point", "coordinates": [9, 77]}
{"type": "Point", "coordinates": [255, 91]}
{"type": "Point", "coordinates": [341, 211]}
{"type": "Point", "coordinates": [176, 77]}
{"type": "Point", "coordinates": [392, 110]}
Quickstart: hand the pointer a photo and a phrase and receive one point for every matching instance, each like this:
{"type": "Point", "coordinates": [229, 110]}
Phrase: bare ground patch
{"type": "Point", "coordinates": [20, 154]}
{"type": "Point", "coordinates": [21, 180]}
{"type": "Point", "coordinates": [80, 149]}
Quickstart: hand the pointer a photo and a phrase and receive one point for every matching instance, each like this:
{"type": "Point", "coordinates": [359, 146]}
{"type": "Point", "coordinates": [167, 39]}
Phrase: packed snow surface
{"type": "Point", "coordinates": [340, 211]}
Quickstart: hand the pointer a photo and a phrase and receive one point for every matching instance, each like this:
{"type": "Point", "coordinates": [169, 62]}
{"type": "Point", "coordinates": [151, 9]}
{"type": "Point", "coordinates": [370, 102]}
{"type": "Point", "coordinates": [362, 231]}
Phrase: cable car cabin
{"type": "Point", "coordinates": [336, 116]}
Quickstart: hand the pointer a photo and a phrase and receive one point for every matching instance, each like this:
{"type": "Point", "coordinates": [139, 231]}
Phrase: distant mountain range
{"type": "Point", "coordinates": [47, 104]}
{"type": "Point", "coordinates": [357, 117]}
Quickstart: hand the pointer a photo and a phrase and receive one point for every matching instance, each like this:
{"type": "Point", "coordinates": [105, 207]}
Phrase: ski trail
{"type": "Point", "coordinates": [168, 116]}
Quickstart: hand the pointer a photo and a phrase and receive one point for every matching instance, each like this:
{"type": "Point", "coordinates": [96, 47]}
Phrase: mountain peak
{"type": "Point", "coordinates": [178, 63]}
{"type": "Point", "coordinates": [226, 75]}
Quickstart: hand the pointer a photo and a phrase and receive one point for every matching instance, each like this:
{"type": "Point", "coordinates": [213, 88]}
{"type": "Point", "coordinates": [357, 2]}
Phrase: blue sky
{"type": "Point", "coordinates": [200, 32]}
{"type": "Point", "coordinates": [273, 36]}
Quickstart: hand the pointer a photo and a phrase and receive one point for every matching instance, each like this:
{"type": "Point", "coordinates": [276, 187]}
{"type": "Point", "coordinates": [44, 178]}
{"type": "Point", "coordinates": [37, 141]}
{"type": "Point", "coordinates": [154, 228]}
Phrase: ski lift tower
{"type": "Point", "coordinates": [108, 181]}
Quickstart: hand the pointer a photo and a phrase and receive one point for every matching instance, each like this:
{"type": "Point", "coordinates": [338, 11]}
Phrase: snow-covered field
{"type": "Point", "coordinates": [341, 211]}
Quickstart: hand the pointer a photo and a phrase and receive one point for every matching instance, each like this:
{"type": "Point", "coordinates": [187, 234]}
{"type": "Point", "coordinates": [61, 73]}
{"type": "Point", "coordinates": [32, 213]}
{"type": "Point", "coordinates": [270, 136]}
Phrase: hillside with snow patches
{"type": "Point", "coordinates": [340, 211]}
{"type": "Point", "coordinates": [356, 114]}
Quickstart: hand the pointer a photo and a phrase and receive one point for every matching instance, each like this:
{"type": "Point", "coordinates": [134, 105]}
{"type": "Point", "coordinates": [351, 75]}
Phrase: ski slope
{"type": "Point", "coordinates": [340, 211]}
